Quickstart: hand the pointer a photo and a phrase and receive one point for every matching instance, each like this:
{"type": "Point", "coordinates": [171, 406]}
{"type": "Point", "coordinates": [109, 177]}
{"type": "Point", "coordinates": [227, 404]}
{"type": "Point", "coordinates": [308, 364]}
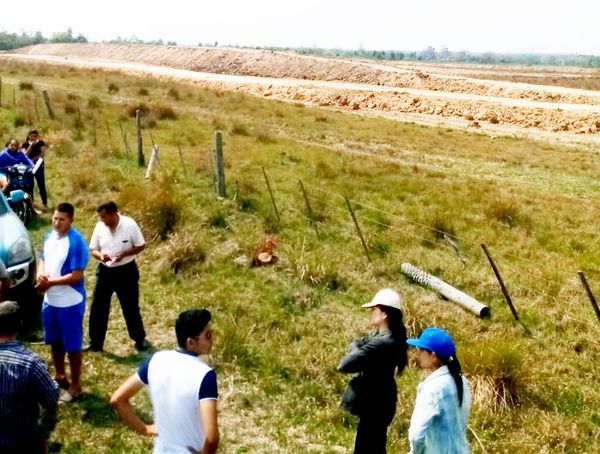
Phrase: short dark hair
{"type": "Point", "coordinates": [10, 317]}
{"type": "Point", "coordinates": [66, 208]}
{"type": "Point", "coordinates": [190, 323]}
{"type": "Point", "coordinates": [33, 131]}
{"type": "Point", "coordinates": [108, 207]}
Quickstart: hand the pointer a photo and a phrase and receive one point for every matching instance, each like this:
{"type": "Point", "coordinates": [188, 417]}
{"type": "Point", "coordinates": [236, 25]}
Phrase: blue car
{"type": "Point", "coordinates": [16, 251]}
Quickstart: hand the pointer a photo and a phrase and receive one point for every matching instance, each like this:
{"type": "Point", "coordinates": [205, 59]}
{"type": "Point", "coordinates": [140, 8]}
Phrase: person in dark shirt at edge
{"type": "Point", "coordinates": [35, 149]}
{"type": "Point", "coordinates": [25, 385]}
{"type": "Point", "coordinates": [372, 394]}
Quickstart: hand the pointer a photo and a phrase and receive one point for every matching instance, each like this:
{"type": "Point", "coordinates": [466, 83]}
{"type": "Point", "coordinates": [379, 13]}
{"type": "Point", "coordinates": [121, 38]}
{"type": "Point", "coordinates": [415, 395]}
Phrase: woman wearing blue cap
{"type": "Point", "coordinates": [371, 395]}
{"type": "Point", "coordinates": [439, 420]}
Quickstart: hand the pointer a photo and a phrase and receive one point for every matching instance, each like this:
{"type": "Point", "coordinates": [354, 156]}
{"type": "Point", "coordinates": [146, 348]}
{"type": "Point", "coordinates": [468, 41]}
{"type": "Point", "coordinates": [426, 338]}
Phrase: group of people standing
{"type": "Point", "coordinates": [182, 386]}
{"type": "Point", "coordinates": [32, 150]}
{"type": "Point", "coordinates": [115, 242]}
{"type": "Point", "coordinates": [443, 402]}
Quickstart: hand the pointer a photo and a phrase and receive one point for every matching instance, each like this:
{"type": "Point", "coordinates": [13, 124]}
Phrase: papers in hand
{"type": "Point", "coordinates": [37, 165]}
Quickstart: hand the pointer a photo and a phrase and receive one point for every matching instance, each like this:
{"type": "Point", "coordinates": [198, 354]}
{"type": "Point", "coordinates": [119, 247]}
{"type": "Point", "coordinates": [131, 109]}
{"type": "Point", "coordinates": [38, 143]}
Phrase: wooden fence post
{"type": "Point", "coordinates": [589, 294]}
{"type": "Point", "coordinates": [77, 123]}
{"type": "Point", "coordinates": [311, 217]}
{"type": "Point", "coordinates": [94, 133]}
{"type": "Point", "coordinates": [501, 282]}
{"type": "Point", "coordinates": [140, 150]}
{"type": "Point", "coordinates": [220, 164]}
{"type": "Point", "coordinates": [124, 136]}
{"type": "Point", "coordinates": [35, 106]}
{"type": "Point", "coordinates": [48, 105]}
{"type": "Point", "coordinates": [182, 161]}
{"type": "Point", "coordinates": [360, 235]}
{"type": "Point", "coordinates": [271, 193]}
{"type": "Point", "coordinates": [109, 135]}
{"type": "Point", "coordinates": [153, 160]}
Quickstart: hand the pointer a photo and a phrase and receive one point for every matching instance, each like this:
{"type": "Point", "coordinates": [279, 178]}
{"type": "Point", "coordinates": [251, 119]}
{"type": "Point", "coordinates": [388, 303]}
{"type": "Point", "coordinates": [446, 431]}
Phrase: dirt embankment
{"type": "Point", "coordinates": [436, 91]}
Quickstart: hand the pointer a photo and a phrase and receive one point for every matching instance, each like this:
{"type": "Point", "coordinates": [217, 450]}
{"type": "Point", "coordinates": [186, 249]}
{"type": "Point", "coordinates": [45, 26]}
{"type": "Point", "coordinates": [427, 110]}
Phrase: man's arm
{"type": "Point", "coordinates": [44, 282]}
{"type": "Point", "coordinates": [99, 255]}
{"type": "Point", "coordinates": [133, 250]}
{"type": "Point", "coordinates": [208, 416]}
{"type": "Point", "coordinates": [120, 403]}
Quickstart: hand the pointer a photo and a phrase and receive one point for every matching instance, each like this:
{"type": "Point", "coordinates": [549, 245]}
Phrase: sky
{"type": "Point", "coordinates": [512, 26]}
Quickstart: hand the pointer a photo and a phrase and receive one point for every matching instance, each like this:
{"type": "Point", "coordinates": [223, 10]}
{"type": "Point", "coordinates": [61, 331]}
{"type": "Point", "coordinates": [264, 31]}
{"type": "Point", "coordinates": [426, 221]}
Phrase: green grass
{"type": "Point", "coordinates": [282, 329]}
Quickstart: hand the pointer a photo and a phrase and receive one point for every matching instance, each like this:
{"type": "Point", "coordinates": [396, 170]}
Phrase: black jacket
{"type": "Point", "coordinates": [373, 391]}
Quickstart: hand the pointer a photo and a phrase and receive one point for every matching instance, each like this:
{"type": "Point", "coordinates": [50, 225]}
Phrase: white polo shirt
{"type": "Point", "coordinates": [126, 234]}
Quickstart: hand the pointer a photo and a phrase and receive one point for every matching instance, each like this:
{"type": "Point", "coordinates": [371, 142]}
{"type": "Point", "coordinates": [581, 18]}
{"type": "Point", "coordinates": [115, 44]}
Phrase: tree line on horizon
{"type": "Point", "coordinates": [10, 41]}
{"type": "Point", "coordinates": [431, 54]}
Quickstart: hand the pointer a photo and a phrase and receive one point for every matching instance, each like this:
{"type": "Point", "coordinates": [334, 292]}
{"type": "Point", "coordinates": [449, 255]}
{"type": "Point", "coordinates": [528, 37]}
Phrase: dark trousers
{"type": "Point", "coordinates": [371, 436]}
{"type": "Point", "coordinates": [122, 280]}
{"type": "Point", "coordinates": [40, 178]}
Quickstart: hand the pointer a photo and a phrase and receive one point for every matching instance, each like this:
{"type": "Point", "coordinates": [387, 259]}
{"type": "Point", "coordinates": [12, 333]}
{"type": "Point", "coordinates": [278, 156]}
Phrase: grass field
{"type": "Point", "coordinates": [281, 329]}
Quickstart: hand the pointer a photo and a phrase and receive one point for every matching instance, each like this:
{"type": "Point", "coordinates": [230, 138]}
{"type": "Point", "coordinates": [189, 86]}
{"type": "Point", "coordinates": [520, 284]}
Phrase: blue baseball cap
{"type": "Point", "coordinates": [435, 340]}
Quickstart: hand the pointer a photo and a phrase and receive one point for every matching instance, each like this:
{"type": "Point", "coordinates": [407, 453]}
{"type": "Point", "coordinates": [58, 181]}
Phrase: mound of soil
{"type": "Point", "coordinates": [439, 91]}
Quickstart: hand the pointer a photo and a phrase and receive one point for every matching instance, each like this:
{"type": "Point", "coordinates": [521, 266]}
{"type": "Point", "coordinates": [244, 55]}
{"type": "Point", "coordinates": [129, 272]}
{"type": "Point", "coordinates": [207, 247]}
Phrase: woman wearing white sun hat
{"type": "Point", "coordinates": [439, 420]}
{"type": "Point", "coordinates": [372, 394]}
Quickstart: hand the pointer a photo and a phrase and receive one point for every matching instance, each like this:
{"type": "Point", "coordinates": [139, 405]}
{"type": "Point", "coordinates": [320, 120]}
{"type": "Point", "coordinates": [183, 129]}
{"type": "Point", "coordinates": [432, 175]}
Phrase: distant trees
{"type": "Point", "coordinates": [10, 41]}
{"type": "Point", "coordinates": [136, 40]}
{"type": "Point", "coordinates": [444, 54]}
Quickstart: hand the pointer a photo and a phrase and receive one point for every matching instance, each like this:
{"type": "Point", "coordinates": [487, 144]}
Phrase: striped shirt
{"type": "Point", "coordinates": [25, 384]}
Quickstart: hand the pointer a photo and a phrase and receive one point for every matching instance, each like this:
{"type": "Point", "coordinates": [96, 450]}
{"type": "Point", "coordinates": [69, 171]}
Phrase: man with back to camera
{"type": "Point", "coordinates": [183, 390]}
{"type": "Point", "coordinates": [116, 241]}
{"type": "Point", "coordinates": [25, 385]}
{"type": "Point", "coordinates": [60, 274]}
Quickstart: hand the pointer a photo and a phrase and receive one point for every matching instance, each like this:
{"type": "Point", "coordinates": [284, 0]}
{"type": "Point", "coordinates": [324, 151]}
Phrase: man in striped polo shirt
{"type": "Point", "coordinates": [183, 390]}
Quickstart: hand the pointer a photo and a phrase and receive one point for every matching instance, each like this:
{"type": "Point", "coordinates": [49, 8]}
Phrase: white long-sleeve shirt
{"type": "Point", "coordinates": [438, 424]}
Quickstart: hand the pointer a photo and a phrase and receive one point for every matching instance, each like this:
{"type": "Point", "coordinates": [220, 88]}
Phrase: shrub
{"type": "Point", "coordinates": [143, 91]}
{"type": "Point", "coordinates": [18, 120]}
{"type": "Point", "coordinates": [218, 219]}
{"type": "Point", "coordinates": [239, 129]}
{"type": "Point", "coordinates": [164, 112]}
{"type": "Point", "coordinates": [113, 88]}
{"type": "Point", "coordinates": [440, 226]}
{"type": "Point", "coordinates": [93, 102]}
{"type": "Point", "coordinates": [184, 252]}
{"type": "Point", "coordinates": [70, 108]}
{"type": "Point", "coordinates": [61, 143]}
{"type": "Point", "coordinates": [25, 85]}
{"type": "Point", "coordinates": [132, 108]}
{"type": "Point", "coordinates": [497, 373]}
{"type": "Point", "coordinates": [265, 138]}
{"type": "Point", "coordinates": [504, 211]}
{"type": "Point", "coordinates": [173, 93]}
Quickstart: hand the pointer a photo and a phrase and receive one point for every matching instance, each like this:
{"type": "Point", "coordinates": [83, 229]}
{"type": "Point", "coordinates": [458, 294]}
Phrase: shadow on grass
{"type": "Point", "coordinates": [97, 411]}
{"type": "Point", "coordinates": [133, 359]}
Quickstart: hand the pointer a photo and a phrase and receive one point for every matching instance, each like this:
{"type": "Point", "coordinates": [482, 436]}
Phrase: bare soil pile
{"type": "Point", "coordinates": [435, 90]}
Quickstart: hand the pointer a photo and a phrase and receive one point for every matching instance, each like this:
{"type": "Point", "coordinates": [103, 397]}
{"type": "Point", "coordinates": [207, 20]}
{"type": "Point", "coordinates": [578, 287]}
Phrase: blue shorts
{"type": "Point", "coordinates": [64, 326]}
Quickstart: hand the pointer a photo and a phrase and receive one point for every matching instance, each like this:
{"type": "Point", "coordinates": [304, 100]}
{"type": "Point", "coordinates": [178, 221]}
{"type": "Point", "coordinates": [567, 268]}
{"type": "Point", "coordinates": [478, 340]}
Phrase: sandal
{"type": "Point", "coordinates": [65, 397]}
{"type": "Point", "coordinates": [62, 382]}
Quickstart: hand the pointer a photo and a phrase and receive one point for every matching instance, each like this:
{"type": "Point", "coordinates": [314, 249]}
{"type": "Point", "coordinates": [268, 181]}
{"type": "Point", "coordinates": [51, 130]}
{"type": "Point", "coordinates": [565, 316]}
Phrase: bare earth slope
{"type": "Point", "coordinates": [449, 95]}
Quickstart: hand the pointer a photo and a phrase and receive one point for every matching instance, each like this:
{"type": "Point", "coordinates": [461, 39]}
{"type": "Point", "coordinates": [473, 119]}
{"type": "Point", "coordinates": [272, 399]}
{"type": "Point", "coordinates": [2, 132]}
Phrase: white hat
{"type": "Point", "coordinates": [386, 297]}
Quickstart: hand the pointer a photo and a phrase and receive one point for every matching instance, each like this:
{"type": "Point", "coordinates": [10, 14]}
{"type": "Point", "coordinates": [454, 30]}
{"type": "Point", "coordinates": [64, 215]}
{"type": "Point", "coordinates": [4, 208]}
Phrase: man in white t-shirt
{"type": "Point", "coordinates": [60, 275]}
{"type": "Point", "coordinates": [183, 390]}
{"type": "Point", "coordinates": [116, 241]}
